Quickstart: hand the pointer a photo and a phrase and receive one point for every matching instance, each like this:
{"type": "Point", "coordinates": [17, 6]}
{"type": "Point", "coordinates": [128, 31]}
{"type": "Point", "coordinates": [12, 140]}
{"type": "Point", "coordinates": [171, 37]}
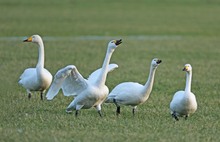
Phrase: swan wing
{"type": "Point", "coordinates": [28, 79]}
{"type": "Point", "coordinates": [126, 93]}
{"type": "Point", "coordinates": [59, 78]}
{"type": "Point", "coordinates": [183, 103]}
{"type": "Point", "coordinates": [176, 102]}
{"type": "Point", "coordinates": [74, 83]}
{"type": "Point", "coordinates": [69, 79]}
{"type": "Point", "coordinates": [93, 77]}
{"type": "Point", "coordinates": [27, 72]}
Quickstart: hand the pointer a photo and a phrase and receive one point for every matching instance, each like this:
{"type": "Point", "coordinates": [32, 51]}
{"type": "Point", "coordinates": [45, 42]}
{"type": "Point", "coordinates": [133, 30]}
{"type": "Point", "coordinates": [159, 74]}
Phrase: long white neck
{"type": "Point", "coordinates": [104, 71]}
{"type": "Point", "coordinates": [188, 81]}
{"type": "Point", "coordinates": [40, 63]}
{"type": "Point", "coordinates": [149, 84]}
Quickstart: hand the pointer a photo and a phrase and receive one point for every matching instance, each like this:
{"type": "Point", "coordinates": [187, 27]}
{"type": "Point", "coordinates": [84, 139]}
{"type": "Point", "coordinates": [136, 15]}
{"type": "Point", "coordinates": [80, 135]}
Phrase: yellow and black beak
{"type": "Point", "coordinates": [185, 68]}
{"type": "Point", "coordinates": [117, 42]}
{"type": "Point", "coordinates": [28, 39]}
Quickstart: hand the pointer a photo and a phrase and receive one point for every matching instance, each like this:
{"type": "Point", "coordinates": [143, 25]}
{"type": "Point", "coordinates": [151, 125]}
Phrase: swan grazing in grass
{"type": "Point", "coordinates": [184, 102]}
{"type": "Point", "coordinates": [39, 78]}
{"type": "Point", "coordinates": [132, 93]}
{"type": "Point", "coordinates": [87, 93]}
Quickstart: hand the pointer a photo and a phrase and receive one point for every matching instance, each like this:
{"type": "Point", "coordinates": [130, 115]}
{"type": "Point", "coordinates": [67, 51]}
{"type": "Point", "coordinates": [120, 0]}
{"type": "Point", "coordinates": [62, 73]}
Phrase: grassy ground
{"type": "Point", "coordinates": [76, 32]}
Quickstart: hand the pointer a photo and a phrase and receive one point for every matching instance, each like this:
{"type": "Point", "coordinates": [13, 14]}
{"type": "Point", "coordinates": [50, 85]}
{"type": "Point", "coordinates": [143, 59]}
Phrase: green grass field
{"type": "Point", "coordinates": [77, 32]}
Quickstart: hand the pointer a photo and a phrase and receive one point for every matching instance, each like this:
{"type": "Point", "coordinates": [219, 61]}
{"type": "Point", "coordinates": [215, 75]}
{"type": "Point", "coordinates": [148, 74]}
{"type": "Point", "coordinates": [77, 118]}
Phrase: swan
{"type": "Point", "coordinates": [39, 78]}
{"type": "Point", "coordinates": [184, 102]}
{"type": "Point", "coordinates": [132, 93]}
{"type": "Point", "coordinates": [89, 92]}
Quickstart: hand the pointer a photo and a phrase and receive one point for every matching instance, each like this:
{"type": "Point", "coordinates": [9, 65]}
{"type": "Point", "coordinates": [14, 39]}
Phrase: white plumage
{"type": "Point", "coordinates": [39, 78]}
{"type": "Point", "coordinates": [88, 93]}
{"type": "Point", "coordinates": [184, 102]}
{"type": "Point", "coordinates": [131, 93]}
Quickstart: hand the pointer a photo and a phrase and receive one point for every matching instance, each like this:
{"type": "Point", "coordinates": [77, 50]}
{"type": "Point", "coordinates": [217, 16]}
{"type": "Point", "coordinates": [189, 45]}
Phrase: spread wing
{"type": "Point", "coordinates": [70, 80]}
{"type": "Point", "coordinates": [93, 77]}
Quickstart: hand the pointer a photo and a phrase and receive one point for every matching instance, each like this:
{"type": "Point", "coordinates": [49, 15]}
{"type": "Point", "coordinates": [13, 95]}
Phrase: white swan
{"type": "Point", "coordinates": [88, 93]}
{"type": "Point", "coordinates": [184, 102]}
{"type": "Point", "coordinates": [132, 93]}
{"type": "Point", "coordinates": [39, 78]}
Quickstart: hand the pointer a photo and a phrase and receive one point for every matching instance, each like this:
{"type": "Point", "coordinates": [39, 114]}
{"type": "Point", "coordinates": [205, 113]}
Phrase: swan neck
{"type": "Point", "coordinates": [40, 63]}
{"type": "Point", "coordinates": [188, 81]}
{"type": "Point", "coordinates": [104, 71]}
{"type": "Point", "coordinates": [149, 84]}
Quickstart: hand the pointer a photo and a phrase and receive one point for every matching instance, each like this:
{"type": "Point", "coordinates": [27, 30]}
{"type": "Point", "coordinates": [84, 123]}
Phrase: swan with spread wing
{"type": "Point", "coordinates": [89, 92]}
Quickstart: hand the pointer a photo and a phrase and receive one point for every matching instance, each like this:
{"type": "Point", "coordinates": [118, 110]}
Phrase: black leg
{"type": "Point", "coordinates": [133, 111]}
{"type": "Point", "coordinates": [77, 112]}
{"type": "Point", "coordinates": [186, 117]}
{"type": "Point", "coordinates": [174, 116]}
{"type": "Point", "coordinates": [41, 96]}
{"type": "Point", "coordinates": [99, 112]}
{"type": "Point", "coordinates": [118, 111]}
{"type": "Point", "coordinates": [29, 95]}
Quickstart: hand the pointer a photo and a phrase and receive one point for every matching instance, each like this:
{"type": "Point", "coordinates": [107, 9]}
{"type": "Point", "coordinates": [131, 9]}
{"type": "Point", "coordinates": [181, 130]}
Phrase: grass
{"type": "Point", "coordinates": [177, 32]}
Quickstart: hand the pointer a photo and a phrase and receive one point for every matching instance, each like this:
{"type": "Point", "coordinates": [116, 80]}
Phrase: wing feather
{"type": "Point", "coordinates": [93, 77]}
{"type": "Point", "coordinates": [74, 84]}
{"type": "Point", "coordinates": [69, 79]}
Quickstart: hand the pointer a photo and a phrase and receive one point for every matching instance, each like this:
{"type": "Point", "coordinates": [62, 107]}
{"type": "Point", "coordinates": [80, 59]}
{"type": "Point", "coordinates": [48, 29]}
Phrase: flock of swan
{"type": "Point", "coordinates": [93, 92]}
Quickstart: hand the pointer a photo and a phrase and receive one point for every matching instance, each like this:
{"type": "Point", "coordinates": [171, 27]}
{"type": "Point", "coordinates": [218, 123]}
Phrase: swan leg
{"type": "Point", "coordinates": [98, 107]}
{"type": "Point", "coordinates": [174, 116]}
{"type": "Point", "coordinates": [29, 95]}
{"type": "Point", "coordinates": [99, 112]}
{"type": "Point", "coordinates": [118, 111]}
{"type": "Point", "coordinates": [41, 96]}
{"type": "Point", "coordinates": [133, 110]}
{"type": "Point", "coordinates": [78, 107]}
{"type": "Point", "coordinates": [186, 117]}
{"type": "Point", "coordinates": [76, 113]}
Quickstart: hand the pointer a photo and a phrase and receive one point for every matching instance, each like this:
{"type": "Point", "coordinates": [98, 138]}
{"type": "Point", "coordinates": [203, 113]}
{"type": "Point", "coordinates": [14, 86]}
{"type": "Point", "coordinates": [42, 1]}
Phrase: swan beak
{"type": "Point", "coordinates": [117, 42]}
{"type": "Point", "coordinates": [159, 61]}
{"type": "Point", "coordinates": [185, 68]}
{"type": "Point", "coordinates": [28, 39]}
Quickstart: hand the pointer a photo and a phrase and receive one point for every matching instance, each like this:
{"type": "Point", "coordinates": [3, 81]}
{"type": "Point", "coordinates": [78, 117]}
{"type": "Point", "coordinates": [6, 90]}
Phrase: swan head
{"type": "Point", "coordinates": [155, 62]}
{"type": "Point", "coordinates": [187, 68]}
{"type": "Point", "coordinates": [34, 39]}
{"type": "Point", "coordinates": [114, 43]}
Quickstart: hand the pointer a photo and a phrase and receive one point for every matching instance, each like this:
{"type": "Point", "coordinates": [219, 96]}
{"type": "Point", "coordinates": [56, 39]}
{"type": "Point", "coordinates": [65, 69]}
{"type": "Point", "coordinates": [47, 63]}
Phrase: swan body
{"type": "Point", "coordinates": [89, 92]}
{"type": "Point", "coordinates": [39, 78]}
{"type": "Point", "coordinates": [132, 93]}
{"type": "Point", "coordinates": [184, 102]}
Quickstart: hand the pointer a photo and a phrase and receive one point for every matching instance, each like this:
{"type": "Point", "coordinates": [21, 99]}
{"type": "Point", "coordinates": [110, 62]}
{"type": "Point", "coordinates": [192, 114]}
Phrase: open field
{"type": "Point", "coordinates": [77, 32]}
